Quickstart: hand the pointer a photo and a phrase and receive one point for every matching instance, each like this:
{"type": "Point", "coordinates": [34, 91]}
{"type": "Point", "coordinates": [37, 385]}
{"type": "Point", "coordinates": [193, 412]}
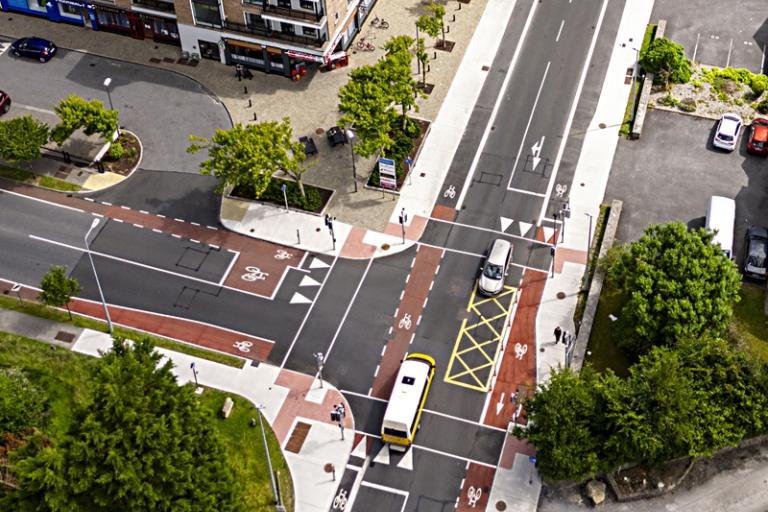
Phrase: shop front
{"type": "Point", "coordinates": [266, 58]}
{"type": "Point", "coordinates": [68, 11]}
{"type": "Point", "coordinates": [138, 25]}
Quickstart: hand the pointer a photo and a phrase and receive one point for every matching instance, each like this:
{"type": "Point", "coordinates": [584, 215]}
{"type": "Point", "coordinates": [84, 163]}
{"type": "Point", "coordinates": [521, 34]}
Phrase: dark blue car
{"type": "Point", "coordinates": [34, 47]}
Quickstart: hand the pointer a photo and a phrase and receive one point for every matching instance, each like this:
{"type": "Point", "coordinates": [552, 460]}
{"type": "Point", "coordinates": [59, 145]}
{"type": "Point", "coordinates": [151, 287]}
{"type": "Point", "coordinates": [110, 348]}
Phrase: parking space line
{"type": "Point", "coordinates": [730, 51]}
{"type": "Point", "coordinates": [696, 46]}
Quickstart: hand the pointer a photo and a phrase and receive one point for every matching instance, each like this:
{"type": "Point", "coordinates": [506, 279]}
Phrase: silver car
{"type": "Point", "coordinates": [494, 270]}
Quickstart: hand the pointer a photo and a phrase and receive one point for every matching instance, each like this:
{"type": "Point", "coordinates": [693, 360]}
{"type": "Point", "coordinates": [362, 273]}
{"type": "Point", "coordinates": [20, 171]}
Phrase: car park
{"type": "Point", "coordinates": [494, 270]}
{"type": "Point", "coordinates": [757, 144]}
{"type": "Point", "coordinates": [34, 47]}
{"type": "Point", "coordinates": [5, 102]}
{"type": "Point", "coordinates": [727, 133]}
{"type": "Point", "coordinates": [755, 252]}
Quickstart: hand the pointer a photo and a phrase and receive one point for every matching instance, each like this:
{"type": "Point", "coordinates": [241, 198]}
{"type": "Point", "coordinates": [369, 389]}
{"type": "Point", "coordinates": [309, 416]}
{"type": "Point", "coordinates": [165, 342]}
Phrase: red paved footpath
{"type": "Point", "coordinates": [176, 328]}
{"type": "Point", "coordinates": [418, 284]}
{"type": "Point", "coordinates": [267, 257]}
{"type": "Point", "coordinates": [517, 372]}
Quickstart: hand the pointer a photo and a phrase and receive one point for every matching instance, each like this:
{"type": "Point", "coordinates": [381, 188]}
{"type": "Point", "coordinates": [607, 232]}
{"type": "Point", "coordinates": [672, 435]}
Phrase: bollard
{"type": "Point", "coordinates": [298, 237]}
{"type": "Point", "coordinates": [254, 117]}
{"type": "Point", "coordinates": [459, 7]}
{"type": "Point", "coordinates": [250, 102]}
{"type": "Point", "coordinates": [429, 68]}
{"type": "Point", "coordinates": [454, 18]}
{"type": "Point", "coordinates": [435, 56]}
{"type": "Point", "coordinates": [245, 89]}
{"type": "Point", "coordinates": [447, 29]}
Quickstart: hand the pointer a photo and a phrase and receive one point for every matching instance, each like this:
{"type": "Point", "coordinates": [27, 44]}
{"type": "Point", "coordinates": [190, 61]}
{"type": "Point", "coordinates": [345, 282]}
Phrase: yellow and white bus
{"type": "Point", "coordinates": [401, 419]}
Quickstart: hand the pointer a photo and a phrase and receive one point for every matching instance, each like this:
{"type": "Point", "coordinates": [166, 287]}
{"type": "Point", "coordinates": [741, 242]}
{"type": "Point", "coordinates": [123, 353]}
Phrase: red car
{"type": "Point", "coordinates": [5, 103]}
{"type": "Point", "coordinates": [757, 144]}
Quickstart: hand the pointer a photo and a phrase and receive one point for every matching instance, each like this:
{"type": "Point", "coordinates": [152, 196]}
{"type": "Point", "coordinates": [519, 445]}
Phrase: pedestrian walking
{"type": "Point", "coordinates": [566, 335]}
{"type": "Point", "coordinates": [239, 72]}
{"type": "Point", "coordinates": [558, 332]}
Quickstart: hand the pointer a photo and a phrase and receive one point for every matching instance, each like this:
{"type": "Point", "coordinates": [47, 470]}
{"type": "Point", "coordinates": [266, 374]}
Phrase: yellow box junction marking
{"type": "Point", "coordinates": [475, 351]}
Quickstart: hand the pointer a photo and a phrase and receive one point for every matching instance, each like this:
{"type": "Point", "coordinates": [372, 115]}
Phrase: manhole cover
{"type": "Point", "coordinates": [422, 174]}
{"type": "Point", "coordinates": [581, 184]}
{"type": "Point", "coordinates": [560, 295]}
{"type": "Point", "coordinates": [485, 68]}
{"type": "Point", "coordinates": [319, 131]}
{"type": "Point", "coordinates": [384, 247]}
{"type": "Point", "coordinates": [500, 505]}
{"type": "Point", "coordinates": [541, 349]}
{"type": "Point", "coordinates": [602, 125]}
{"type": "Point", "coordinates": [66, 337]}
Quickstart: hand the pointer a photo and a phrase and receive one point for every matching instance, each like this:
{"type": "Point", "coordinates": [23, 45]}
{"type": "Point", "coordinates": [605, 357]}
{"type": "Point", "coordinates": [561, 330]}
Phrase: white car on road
{"type": "Point", "coordinates": [727, 134]}
{"type": "Point", "coordinates": [493, 272]}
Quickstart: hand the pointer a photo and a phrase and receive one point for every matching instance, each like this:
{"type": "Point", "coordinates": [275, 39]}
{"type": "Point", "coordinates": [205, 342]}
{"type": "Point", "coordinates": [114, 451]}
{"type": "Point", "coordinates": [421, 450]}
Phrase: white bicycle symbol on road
{"type": "Point", "coordinates": [243, 346]}
{"type": "Point", "coordinates": [282, 254]}
{"type": "Point", "coordinates": [560, 190]}
{"type": "Point", "coordinates": [254, 274]}
{"type": "Point", "coordinates": [473, 496]}
{"type": "Point", "coordinates": [405, 322]}
{"type": "Point", "coordinates": [340, 501]}
{"type": "Point", "coordinates": [520, 350]}
{"type": "Point", "coordinates": [450, 192]}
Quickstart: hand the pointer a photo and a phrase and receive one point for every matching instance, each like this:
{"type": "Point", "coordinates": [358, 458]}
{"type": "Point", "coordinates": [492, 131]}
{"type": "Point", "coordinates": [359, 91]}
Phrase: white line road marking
{"type": "Point", "coordinates": [156, 230]}
{"type": "Point", "coordinates": [560, 31]}
{"type": "Point", "coordinates": [527, 192]}
{"type": "Point", "coordinates": [138, 226]}
{"type": "Point", "coordinates": [161, 216]}
{"type": "Point", "coordinates": [89, 199]}
{"type": "Point", "coordinates": [349, 307]}
{"type": "Point", "coordinates": [35, 109]}
{"type": "Point", "coordinates": [730, 50]}
{"type": "Point", "coordinates": [385, 488]}
{"type": "Point", "coordinates": [179, 220]}
{"type": "Point", "coordinates": [572, 113]}
{"type": "Point", "coordinates": [125, 207]}
{"type": "Point", "coordinates": [121, 220]}
{"type": "Point", "coordinates": [42, 201]}
{"type": "Point", "coordinates": [696, 47]}
{"type": "Point", "coordinates": [194, 223]}
{"type": "Point", "coordinates": [469, 226]}
{"type": "Point", "coordinates": [195, 241]}
{"type": "Point", "coordinates": [174, 235]}
{"type": "Point", "coordinates": [762, 61]}
{"type": "Point", "coordinates": [97, 215]}
{"type": "Point", "coordinates": [496, 107]}
{"type": "Point", "coordinates": [106, 203]}
{"type": "Point", "coordinates": [528, 125]}
{"type": "Point", "coordinates": [212, 227]}
{"type": "Point", "coordinates": [145, 212]}
{"type": "Point", "coordinates": [312, 306]}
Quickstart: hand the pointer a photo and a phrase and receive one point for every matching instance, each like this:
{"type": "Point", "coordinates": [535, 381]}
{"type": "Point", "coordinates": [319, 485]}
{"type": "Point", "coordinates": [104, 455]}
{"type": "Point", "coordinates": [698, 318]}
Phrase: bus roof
{"type": "Point", "coordinates": [406, 394]}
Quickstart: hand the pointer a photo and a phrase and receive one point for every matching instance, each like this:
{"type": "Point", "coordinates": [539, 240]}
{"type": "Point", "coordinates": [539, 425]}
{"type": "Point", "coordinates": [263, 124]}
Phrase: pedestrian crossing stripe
{"type": "Point", "coordinates": [359, 450]}
{"type": "Point", "coordinates": [4, 46]}
{"type": "Point", "coordinates": [407, 461]}
{"type": "Point", "coordinates": [383, 456]}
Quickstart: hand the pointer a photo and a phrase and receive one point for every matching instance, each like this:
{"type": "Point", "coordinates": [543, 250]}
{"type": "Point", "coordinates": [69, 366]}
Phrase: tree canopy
{"type": "Point", "coordinates": [21, 138]}
{"type": "Point", "coordinates": [142, 443]}
{"type": "Point", "coordinates": [57, 288]}
{"type": "Point", "coordinates": [666, 59]}
{"type": "Point", "coordinates": [90, 116]}
{"type": "Point", "coordinates": [21, 403]}
{"type": "Point", "coordinates": [248, 156]}
{"type": "Point", "coordinates": [679, 285]}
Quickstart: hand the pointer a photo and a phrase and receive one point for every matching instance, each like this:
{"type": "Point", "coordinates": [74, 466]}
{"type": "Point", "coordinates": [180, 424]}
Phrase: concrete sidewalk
{"type": "Point", "coordinates": [288, 399]}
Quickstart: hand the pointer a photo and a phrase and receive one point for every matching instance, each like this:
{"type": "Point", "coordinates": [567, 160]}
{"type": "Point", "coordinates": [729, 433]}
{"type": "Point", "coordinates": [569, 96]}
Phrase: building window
{"type": "Point", "coordinates": [306, 4]}
{"type": "Point", "coordinates": [260, 3]}
{"type": "Point", "coordinates": [37, 5]}
{"type": "Point", "coordinates": [207, 12]}
{"type": "Point", "coordinates": [113, 19]}
{"type": "Point", "coordinates": [284, 3]}
{"type": "Point", "coordinates": [254, 20]}
{"type": "Point", "coordinates": [310, 32]}
{"type": "Point", "coordinates": [287, 28]}
{"type": "Point", "coordinates": [70, 10]}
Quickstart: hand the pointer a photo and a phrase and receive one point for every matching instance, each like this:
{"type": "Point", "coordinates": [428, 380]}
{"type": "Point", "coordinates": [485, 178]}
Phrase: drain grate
{"type": "Point", "coordinates": [66, 337]}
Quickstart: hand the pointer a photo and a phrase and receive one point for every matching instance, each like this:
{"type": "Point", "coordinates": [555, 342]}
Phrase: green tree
{"type": "Point", "coordinates": [396, 67]}
{"type": "Point", "coordinates": [667, 61]}
{"type": "Point", "coordinates": [423, 58]}
{"type": "Point", "coordinates": [364, 102]}
{"type": "Point", "coordinates": [90, 116]}
{"type": "Point", "coordinates": [432, 22]}
{"type": "Point", "coordinates": [248, 156]}
{"type": "Point", "coordinates": [142, 444]}
{"type": "Point", "coordinates": [58, 289]}
{"type": "Point", "coordinates": [21, 403]}
{"type": "Point", "coordinates": [21, 138]}
{"type": "Point", "coordinates": [566, 424]}
{"type": "Point", "coordinates": [653, 414]}
{"type": "Point", "coordinates": [679, 285]}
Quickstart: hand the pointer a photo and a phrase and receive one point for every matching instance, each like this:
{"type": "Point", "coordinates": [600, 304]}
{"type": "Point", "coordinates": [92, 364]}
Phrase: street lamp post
{"type": "Point", "coordinates": [95, 275]}
{"type": "Point", "coordinates": [403, 218]}
{"type": "Point", "coordinates": [351, 137]}
{"type": "Point", "coordinates": [107, 83]}
{"type": "Point", "coordinates": [261, 407]}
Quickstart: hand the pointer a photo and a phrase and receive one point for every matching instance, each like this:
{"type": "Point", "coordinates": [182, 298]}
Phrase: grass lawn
{"type": "Point", "coordinates": [13, 173]}
{"type": "Point", "coordinates": [245, 448]}
{"type": "Point", "coordinates": [748, 327]}
{"type": "Point", "coordinates": [39, 310]}
{"type": "Point", "coordinates": [62, 375]}
{"type": "Point", "coordinates": [603, 339]}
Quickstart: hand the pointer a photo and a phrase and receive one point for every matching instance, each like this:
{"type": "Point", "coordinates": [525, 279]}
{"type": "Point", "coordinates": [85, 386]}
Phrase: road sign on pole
{"type": "Point", "coordinates": [387, 173]}
{"type": "Point", "coordinates": [285, 196]}
{"type": "Point", "coordinates": [403, 218]}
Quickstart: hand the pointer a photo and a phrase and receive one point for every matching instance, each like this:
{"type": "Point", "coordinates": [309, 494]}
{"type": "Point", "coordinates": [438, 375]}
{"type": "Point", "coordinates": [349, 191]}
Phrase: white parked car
{"type": "Point", "coordinates": [727, 134]}
{"type": "Point", "coordinates": [493, 272]}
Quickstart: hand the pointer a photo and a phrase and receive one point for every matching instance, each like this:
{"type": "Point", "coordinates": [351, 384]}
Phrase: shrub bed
{"type": "Point", "coordinates": [315, 200]}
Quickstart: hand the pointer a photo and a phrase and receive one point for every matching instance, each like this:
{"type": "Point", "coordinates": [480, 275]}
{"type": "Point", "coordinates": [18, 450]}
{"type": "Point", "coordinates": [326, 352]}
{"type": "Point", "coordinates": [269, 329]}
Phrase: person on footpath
{"type": "Point", "coordinates": [239, 72]}
{"type": "Point", "coordinates": [558, 332]}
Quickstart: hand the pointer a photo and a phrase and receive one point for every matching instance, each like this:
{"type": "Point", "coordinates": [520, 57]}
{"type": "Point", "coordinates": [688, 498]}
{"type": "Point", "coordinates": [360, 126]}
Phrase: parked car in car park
{"type": "Point", "coordinates": [34, 47]}
{"type": "Point", "coordinates": [721, 216]}
{"type": "Point", "coordinates": [755, 252]}
{"type": "Point", "coordinates": [727, 133]}
{"type": "Point", "coordinates": [5, 102]}
{"type": "Point", "coordinates": [494, 270]}
{"type": "Point", "coordinates": [757, 144]}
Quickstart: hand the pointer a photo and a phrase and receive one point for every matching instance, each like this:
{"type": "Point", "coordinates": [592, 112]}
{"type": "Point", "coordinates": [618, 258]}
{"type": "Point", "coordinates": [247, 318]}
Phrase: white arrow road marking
{"type": "Point", "coordinates": [299, 299]}
{"type": "Point", "coordinates": [383, 456]}
{"type": "Point", "coordinates": [536, 152]}
{"type": "Point", "coordinates": [505, 223]}
{"type": "Point", "coordinates": [308, 281]}
{"type": "Point", "coordinates": [407, 461]}
{"type": "Point", "coordinates": [524, 227]}
{"type": "Point", "coordinates": [318, 263]}
{"type": "Point", "coordinates": [500, 405]}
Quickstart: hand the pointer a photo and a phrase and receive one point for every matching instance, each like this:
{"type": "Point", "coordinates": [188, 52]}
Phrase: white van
{"type": "Point", "coordinates": [721, 216]}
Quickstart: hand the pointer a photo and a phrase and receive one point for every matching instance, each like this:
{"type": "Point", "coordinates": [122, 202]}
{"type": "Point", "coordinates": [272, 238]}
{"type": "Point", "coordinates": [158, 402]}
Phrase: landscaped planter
{"type": "Point", "coordinates": [402, 171]}
{"type": "Point", "coordinates": [130, 157]}
{"type": "Point", "coordinates": [317, 197]}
